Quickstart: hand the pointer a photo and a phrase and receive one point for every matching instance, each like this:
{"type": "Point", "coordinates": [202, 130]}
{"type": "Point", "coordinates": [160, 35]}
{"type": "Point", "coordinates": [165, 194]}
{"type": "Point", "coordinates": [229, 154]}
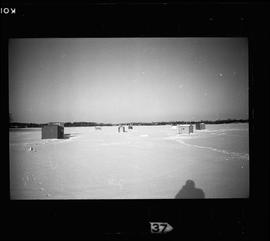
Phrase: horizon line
{"type": "Point", "coordinates": [229, 119]}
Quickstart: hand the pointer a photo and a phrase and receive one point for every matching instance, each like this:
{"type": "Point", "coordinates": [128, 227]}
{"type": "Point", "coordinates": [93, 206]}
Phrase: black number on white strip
{"type": "Point", "coordinates": [159, 227]}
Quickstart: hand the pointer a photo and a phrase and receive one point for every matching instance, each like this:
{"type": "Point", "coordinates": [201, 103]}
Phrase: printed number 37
{"type": "Point", "coordinates": [160, 227]}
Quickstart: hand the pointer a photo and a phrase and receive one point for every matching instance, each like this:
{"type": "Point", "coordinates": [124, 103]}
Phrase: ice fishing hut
{"type": "Point", "coordinates": [121, 127]}
{"type": "Point", "coordinates": [53, 130]}
{"type": "Point", "coordinates": [200, 126]}
{"type": "Point", "coordinates": [185, 129]}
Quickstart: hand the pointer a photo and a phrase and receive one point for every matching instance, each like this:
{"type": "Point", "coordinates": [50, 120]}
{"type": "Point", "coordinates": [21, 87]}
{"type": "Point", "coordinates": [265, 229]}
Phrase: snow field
{"type": "Point", "coordinates": [147, 162]}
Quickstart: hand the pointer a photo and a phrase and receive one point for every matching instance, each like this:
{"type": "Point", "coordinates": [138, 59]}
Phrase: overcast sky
{"type": "Point", "coordinates": [114, 80]}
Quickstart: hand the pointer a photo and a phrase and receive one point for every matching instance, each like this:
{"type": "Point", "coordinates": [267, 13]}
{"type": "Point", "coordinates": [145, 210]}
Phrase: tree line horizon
{"type": "Point", "coordinates": [84, 123]}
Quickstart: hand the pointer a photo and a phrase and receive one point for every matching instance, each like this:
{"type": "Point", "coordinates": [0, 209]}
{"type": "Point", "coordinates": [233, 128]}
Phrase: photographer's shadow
{"type": "Point", "coordinates": [189, 191]}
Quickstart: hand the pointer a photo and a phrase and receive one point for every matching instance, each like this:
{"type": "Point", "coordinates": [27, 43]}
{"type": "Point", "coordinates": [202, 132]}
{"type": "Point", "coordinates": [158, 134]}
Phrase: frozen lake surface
{"type": "Point", "coordinates": [148, 162]}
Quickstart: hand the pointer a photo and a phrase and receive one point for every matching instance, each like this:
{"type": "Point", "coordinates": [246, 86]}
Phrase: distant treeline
{"type": "Point", "coordinates": [70, 124]}
{"type": "Point", "coordinates": [24, 125]}
{"type": "Point", "coordinates": [187, 122]}
{"type": "Point", "coordinates": [77, 124]}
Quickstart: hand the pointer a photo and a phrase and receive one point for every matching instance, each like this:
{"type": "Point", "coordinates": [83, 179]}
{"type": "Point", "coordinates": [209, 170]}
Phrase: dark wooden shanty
{"type": "Point", "coordinates": [200, 126]}
{"type": "Point", "coordinates": [52, 131]}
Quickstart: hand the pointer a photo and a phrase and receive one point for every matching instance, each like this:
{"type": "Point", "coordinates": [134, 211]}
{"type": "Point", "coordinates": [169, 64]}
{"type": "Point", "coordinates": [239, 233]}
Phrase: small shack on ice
{"type": "Point", "coordinates": [53, 130]}
{"type": "Point", "coordinates": [122, 127]}
{"type": "Point", "coordinates": [200, 126]}
{"type": "Point", "coordinates": [185, 129]}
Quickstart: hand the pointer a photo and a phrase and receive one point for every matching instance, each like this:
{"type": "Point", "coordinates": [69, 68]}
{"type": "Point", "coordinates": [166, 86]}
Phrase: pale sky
{"type": "Point", "coordinates": [113, 80]}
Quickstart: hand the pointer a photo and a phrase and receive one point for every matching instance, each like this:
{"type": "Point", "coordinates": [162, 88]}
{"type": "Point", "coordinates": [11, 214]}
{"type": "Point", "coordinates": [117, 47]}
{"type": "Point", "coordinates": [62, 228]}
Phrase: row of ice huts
{"type": "Point", "coordinates": [56, 129]}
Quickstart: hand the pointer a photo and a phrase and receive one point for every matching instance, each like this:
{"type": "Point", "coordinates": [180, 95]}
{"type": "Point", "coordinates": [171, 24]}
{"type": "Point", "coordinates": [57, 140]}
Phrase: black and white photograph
{"type": "Point", "coordinates": [128, 118]}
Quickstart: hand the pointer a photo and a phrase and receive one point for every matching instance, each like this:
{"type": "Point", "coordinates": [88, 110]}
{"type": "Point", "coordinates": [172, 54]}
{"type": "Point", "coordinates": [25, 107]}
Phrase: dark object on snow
{"type": "Point", "coordinates": [189, 191]}
{"type": "Point", "coordinates": [121, 127]}
{"type": "Point", "coordinates": [130, 127]}
{"type": "Point", "coordinates": [52, 132]}
{"type": "Point", "coordinates": [200, 126]}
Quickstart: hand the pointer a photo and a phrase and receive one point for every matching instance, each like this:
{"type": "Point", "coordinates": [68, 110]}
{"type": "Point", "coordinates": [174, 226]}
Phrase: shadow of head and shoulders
{"type": "Point", "coordinates": [190, 191]}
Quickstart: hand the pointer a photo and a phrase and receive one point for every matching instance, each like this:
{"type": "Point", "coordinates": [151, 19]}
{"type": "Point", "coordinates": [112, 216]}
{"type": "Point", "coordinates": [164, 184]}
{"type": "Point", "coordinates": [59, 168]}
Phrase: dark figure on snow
{"type": "Point", "coordinates": [189, 191]}
{"type": "Point", "coordinates": [121, 127]}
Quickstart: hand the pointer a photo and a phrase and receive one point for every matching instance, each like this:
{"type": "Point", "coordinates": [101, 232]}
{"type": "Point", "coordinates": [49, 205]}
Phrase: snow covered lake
{"type": "Point", "coordinates": [148, 162]}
